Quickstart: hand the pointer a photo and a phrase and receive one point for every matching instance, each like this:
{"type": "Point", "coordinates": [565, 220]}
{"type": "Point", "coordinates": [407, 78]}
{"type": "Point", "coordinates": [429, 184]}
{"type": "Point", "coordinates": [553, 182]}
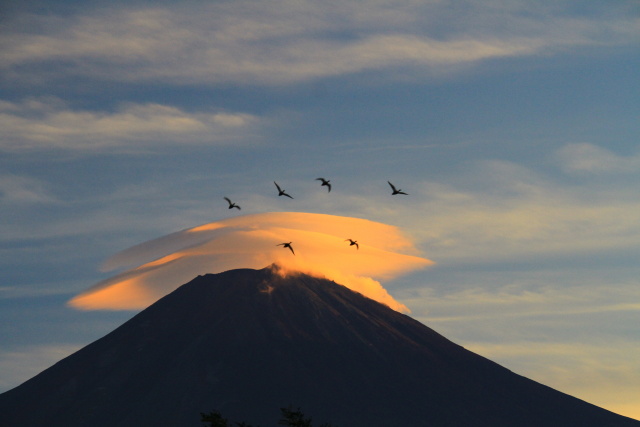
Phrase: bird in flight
{"type": "Point", "coordinates": [353, 242]}
{"type": "Point", "coordinates": [231, 204]}
{"type": "Point", "coordinates": [281, 192]}
{"type": "Point", "coordinates": [396, 191]}
{"type": "Point", "coordinates": [325, 182]}
{"type": "Point", "coordinates": [286, 245]}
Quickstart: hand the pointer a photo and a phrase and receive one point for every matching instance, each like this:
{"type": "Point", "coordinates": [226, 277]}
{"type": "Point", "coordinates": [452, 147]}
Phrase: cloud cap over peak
{"type": "Point", "coordinates": [251, 241]}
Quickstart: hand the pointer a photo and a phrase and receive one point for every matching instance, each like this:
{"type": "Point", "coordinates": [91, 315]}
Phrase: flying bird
{"type": "Point", "coordinates": [396, 191]}
{"type": "Point", "coordinates": [353, 242]}
{"type": "Point", "coordinates": [231, 204]}
{"type": "Point", "coordinates": [286, 245]}
{"type": "Point", "coordinates": [281, 192]}
{"type": "Point", "coordinates": [325, 182]}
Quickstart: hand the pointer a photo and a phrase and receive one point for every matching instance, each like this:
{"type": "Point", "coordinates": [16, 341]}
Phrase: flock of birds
{"type": "Point", "coordinates": [325, 183]}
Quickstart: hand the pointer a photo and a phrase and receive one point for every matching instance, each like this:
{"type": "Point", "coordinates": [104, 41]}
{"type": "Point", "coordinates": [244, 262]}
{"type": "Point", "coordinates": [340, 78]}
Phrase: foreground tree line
{"type": "Point", "coordinates": [288, 417]}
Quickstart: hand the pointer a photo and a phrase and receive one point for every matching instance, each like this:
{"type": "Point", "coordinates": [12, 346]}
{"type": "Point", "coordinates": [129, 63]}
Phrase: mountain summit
{"type": "Point", "coordinates": [247, 342]}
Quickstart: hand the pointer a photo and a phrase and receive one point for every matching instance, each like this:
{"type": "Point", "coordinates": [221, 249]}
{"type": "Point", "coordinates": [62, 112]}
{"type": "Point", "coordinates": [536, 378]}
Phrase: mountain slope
{"type": "Point", "coordinates": [247, 342]}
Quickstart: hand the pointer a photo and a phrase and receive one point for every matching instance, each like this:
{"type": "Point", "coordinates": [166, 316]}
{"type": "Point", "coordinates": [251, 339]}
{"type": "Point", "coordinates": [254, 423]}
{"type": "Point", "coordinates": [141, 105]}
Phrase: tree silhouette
{"type": "Point", "coordinates": [289, 417]}
{"type": "Point", "coordinates": [294, 418]}
{"type": "Point", "coordinates": [215, 419]}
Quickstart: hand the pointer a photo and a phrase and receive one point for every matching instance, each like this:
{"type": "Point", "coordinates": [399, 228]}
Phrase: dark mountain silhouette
{"type": "Point", "coordinates": [248, 342]}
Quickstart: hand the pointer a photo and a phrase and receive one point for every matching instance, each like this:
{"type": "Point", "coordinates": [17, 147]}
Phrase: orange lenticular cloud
{"type": "Point", "coordinates": [159, 266]}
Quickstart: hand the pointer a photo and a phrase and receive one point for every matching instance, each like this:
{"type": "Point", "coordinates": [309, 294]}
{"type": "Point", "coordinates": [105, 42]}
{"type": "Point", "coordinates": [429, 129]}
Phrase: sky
{"type": "Point", "coordinates": [512, 125]}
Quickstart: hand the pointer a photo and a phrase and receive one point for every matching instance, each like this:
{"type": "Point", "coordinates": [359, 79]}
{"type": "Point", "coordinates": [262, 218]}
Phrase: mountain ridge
{"type": "Point", "coordinates": [247, 342]}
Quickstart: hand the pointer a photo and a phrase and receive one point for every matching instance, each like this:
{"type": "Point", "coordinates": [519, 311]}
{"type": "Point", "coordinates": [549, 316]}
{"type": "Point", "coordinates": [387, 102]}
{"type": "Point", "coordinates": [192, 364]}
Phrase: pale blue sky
{"type": "Point", "coordinates": [513, 126]}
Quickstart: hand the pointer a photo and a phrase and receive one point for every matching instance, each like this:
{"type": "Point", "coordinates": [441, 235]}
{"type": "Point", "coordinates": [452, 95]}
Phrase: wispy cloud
{"type": "Point", "coordinates": [20, 190]}
{"type": "Point", "coordinates": [133, 210]}
{"type": "Point", "coordinates": [526, 298]}
{"type": "Point", "coordinates": [586, 158]}
{"type": "Point", "coordinates": [501, 210]}
{"type": "Point", "coordinates": [283, 42]}
{"type": "Point", "coordinates": [49, 124]}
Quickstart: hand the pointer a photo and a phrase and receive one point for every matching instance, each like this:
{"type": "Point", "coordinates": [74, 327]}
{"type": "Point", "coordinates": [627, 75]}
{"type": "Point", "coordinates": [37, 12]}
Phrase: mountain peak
{"type": "Point", "coordinates": [247, 342]}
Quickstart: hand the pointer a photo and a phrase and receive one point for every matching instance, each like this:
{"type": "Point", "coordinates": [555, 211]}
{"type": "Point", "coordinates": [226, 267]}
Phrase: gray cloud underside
{"type": "Point", "coordinates": [49, 124]}
{"type": "Point", "coordinates": [256, 43]}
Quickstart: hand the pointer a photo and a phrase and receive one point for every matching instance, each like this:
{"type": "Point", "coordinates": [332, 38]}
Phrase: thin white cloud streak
{"type": "Point", "coordinates": [586, 158]}
{"type": "Point", "coordinates": [49, 124]}
{"type": "Point", "coordinates": [251, 42]}
{"type": "Point", "coordinates": [525, 299]}
{"type": "Point", "coordinates": [251, 241]}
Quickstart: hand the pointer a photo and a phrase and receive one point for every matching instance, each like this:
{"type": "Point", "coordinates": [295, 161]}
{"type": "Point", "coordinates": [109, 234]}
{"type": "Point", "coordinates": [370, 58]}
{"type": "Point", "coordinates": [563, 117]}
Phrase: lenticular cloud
{"type": "Point", "coordinates": [157, 267]}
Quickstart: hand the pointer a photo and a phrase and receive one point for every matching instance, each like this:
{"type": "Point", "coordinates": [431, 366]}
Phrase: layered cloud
{"type": "Point", "coordinates": [251, 241]}
{"type": "Point", "coordinates": [49, 124]}
{"type": "Point", "coordinates": [284, 41]}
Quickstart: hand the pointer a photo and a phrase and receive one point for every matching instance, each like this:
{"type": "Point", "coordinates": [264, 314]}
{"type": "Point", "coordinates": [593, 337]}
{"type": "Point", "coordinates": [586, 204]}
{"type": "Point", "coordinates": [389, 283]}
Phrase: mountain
{"type": "Point", "coordinates": [247, 342]}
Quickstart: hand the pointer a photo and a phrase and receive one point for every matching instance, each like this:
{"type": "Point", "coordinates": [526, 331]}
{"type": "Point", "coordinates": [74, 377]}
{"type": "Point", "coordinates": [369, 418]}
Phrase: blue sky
{"type": "Point", "coordinates": [513, 126]}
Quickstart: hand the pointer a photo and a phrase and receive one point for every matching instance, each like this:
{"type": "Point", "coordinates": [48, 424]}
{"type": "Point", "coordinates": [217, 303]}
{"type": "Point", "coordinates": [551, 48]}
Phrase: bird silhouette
{"type": "Point", "coordinates": [231, 204]}
{"type": "Point", "coordinates": [353, 242]}
{"type": "Point", "coordinates": [396, 191]}
{"type": "Point", "coordinates": [325, 182]}
{"type": "Point", "coordinates": [286, 245]}
{"type": "Point", "coordinates": [281, 192]}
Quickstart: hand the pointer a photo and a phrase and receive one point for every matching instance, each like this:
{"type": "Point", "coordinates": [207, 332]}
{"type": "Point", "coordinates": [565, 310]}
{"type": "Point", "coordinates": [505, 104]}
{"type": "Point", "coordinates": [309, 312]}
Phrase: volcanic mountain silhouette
{"type": "Point", "coordinates": [247, 342]}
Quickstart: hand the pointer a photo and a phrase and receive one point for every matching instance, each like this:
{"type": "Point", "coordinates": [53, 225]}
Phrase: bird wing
{"type": "Point", "coordinates": [392, 186]}
{"type": "Point", "coordinates": [277, 186]}
{"type": "Point", "coordinates": [289, 246]}
{"type": "Point", "coordinates": [227, 199]}
{"type": "Point", "coordinates": [285, 194]}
